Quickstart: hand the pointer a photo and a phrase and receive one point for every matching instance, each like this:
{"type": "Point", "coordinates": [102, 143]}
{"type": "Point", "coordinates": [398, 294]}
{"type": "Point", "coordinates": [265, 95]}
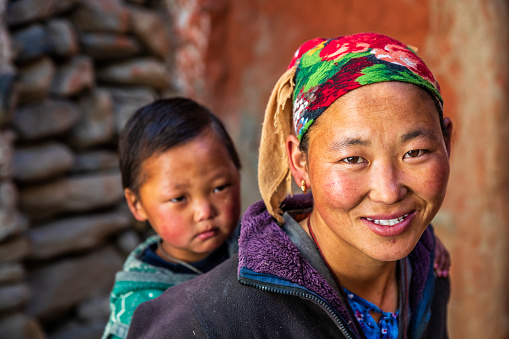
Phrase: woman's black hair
{"type": "Point", "coordinates": [160, 126]}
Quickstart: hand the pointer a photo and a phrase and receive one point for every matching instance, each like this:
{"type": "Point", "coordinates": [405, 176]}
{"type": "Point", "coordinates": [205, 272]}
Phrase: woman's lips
{"type": "Point", "coordinates": [389, 226]}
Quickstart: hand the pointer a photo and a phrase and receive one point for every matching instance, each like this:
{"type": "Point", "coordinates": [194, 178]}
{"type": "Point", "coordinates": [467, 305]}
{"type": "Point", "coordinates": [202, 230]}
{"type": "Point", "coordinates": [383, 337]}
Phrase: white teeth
{"type": "Point", "coordinates": [390, 222]}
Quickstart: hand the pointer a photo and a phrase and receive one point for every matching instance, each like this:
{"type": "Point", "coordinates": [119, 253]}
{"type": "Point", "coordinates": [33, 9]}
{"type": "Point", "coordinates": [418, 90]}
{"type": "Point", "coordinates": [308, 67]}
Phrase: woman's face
{"type": "Point", "coordinates": [378, 167]}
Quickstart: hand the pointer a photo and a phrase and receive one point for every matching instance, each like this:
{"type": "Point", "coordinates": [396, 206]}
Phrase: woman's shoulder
{"type": "Point", "coordinates": [205, 285]}
{"type": "Point", "coordinates": [218, 305]}
{"type": "Point", "coordinates": [184, 304]}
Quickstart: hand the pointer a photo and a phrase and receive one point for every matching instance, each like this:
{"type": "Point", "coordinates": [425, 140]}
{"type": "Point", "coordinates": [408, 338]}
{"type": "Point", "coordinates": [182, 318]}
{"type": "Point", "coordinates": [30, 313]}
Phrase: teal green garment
{"type": "Point", "coordinates": [139, 282]}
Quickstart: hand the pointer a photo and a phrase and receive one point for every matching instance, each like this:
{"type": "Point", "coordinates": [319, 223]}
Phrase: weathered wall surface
{"type": "Point", "coordinates": [467, 46]}
{"type": "Point", "coordinates": [465, 43]}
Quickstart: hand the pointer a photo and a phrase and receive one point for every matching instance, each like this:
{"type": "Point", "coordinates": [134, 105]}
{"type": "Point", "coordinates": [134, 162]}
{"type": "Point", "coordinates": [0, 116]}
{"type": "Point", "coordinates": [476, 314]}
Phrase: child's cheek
{"type": "Point", "coordinates": [232, 210]}
{"type": "Point", "coordinates": [175, 230]}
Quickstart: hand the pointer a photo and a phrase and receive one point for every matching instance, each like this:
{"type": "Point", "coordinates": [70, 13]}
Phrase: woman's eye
{"type": "Point", "coordinates": [178, 199]}
{"type": "Point", "coordinates": [353, 160]}
{"type": "Point", "coordinates": [415, 153]}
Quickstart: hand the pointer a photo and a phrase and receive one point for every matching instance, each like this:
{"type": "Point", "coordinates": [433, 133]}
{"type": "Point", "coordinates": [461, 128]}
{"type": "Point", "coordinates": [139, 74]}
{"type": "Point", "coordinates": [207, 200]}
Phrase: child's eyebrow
{"type": "Point", "coordinates": [344, 143]}
{"type": "Point", "coordinates": [178, 186]}
{"type": "Point", "coordinates": [418, 133]}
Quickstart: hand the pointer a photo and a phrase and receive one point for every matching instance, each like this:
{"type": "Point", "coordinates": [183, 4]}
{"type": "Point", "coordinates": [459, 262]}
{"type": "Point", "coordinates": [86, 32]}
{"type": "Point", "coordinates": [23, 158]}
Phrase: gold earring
{"type": "Point", "coordinates": [303, 186]}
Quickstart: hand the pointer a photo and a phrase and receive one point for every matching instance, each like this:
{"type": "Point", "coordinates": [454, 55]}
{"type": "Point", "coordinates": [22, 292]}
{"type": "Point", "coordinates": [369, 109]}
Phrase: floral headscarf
{"type": "Point", "coordinates": [328, 69]}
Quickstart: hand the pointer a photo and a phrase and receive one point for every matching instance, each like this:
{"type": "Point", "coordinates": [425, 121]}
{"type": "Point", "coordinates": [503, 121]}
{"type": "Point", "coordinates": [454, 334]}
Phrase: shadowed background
{"type": "Point", "coordinates": [72, 72]}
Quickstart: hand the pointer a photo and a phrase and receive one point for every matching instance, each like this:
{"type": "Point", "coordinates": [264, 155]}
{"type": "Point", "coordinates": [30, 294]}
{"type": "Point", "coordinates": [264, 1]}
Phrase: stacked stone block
{"type": "Point", "coordinates": [80, 70]}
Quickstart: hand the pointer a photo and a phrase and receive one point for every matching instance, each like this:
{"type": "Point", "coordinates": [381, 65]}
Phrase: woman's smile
{"type": "Point", "coordinates": [388, 222]}
{"type": "Point", "coordinates": [390, 227]}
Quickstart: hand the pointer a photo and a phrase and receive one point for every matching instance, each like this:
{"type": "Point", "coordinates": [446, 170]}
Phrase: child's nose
{"type": "Point", "coordinates": [204, 210]}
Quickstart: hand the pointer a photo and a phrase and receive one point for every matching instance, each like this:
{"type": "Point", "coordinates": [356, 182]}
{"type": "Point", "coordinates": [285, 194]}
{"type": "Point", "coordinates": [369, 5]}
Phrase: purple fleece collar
{"type": "Point", "coordinates": [265, 248]}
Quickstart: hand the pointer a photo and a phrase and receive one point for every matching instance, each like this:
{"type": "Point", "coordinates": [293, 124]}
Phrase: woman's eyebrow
{"type": "Point", "coordinates": [346, 142]}
{"type": "Point", "coordinates": [418, 133]}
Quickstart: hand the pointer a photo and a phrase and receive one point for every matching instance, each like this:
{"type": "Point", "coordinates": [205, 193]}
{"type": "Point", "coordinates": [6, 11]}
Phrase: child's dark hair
{"type": "Point", "coordinates": [160, 126]}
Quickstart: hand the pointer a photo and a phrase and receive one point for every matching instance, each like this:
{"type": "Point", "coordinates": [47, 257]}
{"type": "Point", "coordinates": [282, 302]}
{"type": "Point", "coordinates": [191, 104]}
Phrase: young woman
{"type": "Point", "coordinates": [358, 121]}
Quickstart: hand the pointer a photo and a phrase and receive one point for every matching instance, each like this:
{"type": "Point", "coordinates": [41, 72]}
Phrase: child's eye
{"type": "Point", "coordinates": [220, 188]}
{"type": "Point", "coordinates": [178, 199]}
{"type": "Point", "coordinates": [415, 153]}
{"type": "Point", "coordinates": [354, 160]}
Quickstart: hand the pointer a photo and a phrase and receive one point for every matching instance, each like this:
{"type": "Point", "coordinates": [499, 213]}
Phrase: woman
{"type": "Point", "coordinates": [358, 120]}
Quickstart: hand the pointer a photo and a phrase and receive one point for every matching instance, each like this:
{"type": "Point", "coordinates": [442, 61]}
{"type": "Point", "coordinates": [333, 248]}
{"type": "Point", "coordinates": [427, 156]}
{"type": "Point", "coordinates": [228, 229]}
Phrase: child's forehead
{"type": "Point", "coordinates": [206, 141]}
{"type": "Point", "coordinates": [204, 153]}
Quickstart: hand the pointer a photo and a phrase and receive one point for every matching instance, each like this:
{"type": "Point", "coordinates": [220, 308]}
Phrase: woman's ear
{"type": "Point", "coordinates": [135, 205]}
{"type": "Point", "coordinates": [297, 160]}
{"type": "Point", "coordinates": [448, 139]}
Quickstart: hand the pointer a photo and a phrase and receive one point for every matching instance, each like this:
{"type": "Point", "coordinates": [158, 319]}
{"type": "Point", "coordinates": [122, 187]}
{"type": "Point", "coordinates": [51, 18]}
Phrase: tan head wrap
{"type": "Point", "coordinates": [274, 177]}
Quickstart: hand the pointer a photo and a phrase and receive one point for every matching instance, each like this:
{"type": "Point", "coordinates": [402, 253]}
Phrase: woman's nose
{"type": "Point", "coordinates": [387, 185]}
{"type": "Point", "coordinates": [204, 210]}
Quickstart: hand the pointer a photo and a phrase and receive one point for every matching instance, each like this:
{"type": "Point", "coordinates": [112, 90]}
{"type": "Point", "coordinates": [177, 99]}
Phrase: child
{"type": "Point", "coordinates": [180, 172]}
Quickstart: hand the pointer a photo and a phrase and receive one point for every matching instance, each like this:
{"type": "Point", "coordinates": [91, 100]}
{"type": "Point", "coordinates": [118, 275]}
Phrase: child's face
{"type": "Point", "coordinates": [191, 196]}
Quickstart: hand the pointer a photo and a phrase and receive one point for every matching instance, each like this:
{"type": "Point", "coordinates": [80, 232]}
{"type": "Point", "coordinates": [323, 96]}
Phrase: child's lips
{"type": "Point", "coordinates": [207, 234]}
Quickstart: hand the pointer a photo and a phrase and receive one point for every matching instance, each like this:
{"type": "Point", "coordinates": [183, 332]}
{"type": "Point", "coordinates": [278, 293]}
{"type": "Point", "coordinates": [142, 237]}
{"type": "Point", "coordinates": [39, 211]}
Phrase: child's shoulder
{"type": "Point", "coordinates": [134, 261]}
{"type": "Point", "coordinates": [138, 272]}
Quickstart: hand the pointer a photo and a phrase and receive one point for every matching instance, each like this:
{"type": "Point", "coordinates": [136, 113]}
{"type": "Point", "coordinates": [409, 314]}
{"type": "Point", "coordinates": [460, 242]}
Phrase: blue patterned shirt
{"type": "Point", "coordinates": [387, 326]}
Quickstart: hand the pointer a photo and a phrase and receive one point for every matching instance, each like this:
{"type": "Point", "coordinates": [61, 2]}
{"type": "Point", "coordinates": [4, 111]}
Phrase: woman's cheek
{"type": "Point", "coordinates": [342, 190]}
{"type": "Point", "coordinates": [429, 181]}
{"type": "Point", "coordinates": [438, 177]}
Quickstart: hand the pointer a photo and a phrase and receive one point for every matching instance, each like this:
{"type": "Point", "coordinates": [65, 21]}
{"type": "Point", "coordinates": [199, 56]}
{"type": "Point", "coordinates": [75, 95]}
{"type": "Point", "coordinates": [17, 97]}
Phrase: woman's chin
{"type": "Point", "coordinates": [393, 252]}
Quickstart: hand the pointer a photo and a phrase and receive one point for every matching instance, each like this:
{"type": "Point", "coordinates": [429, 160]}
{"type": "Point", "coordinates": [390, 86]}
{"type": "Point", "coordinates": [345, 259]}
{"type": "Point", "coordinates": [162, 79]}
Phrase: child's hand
{"type": "Point", "coordinates": [442, 259]}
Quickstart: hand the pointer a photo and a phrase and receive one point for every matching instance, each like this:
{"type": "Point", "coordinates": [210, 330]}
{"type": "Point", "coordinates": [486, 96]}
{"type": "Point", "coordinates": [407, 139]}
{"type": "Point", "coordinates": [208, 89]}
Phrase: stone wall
{"type": "Point", "coordinates": [71, 74]}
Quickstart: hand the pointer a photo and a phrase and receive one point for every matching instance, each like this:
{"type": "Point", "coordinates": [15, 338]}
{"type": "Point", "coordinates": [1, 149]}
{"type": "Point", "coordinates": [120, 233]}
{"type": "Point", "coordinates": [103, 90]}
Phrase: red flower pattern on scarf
{"type": "Point", "coordinates": [403, 56]}
{"type": "Point", "coordinates": [336, 49]}
{"type": "Point", "coordinates": [303, 49]}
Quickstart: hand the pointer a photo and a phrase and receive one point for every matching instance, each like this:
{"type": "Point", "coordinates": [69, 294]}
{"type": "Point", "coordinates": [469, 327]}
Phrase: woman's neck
{"type": "Point", "coordinates": [370, 279]}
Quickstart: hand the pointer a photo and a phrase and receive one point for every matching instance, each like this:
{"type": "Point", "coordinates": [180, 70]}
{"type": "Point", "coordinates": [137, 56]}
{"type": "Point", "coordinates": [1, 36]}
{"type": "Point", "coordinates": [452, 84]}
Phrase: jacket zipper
{"type": "Point", "coordinates": [307, 296]}
{"type": "Point", "coordinates": [424, 325]}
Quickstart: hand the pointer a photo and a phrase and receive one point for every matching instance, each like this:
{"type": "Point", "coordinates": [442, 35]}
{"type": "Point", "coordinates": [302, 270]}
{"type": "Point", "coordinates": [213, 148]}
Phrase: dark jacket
{"type": "Point", "coordinates": [140, 281]}
{"type": "Point", "coordinates": [278, 287]}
